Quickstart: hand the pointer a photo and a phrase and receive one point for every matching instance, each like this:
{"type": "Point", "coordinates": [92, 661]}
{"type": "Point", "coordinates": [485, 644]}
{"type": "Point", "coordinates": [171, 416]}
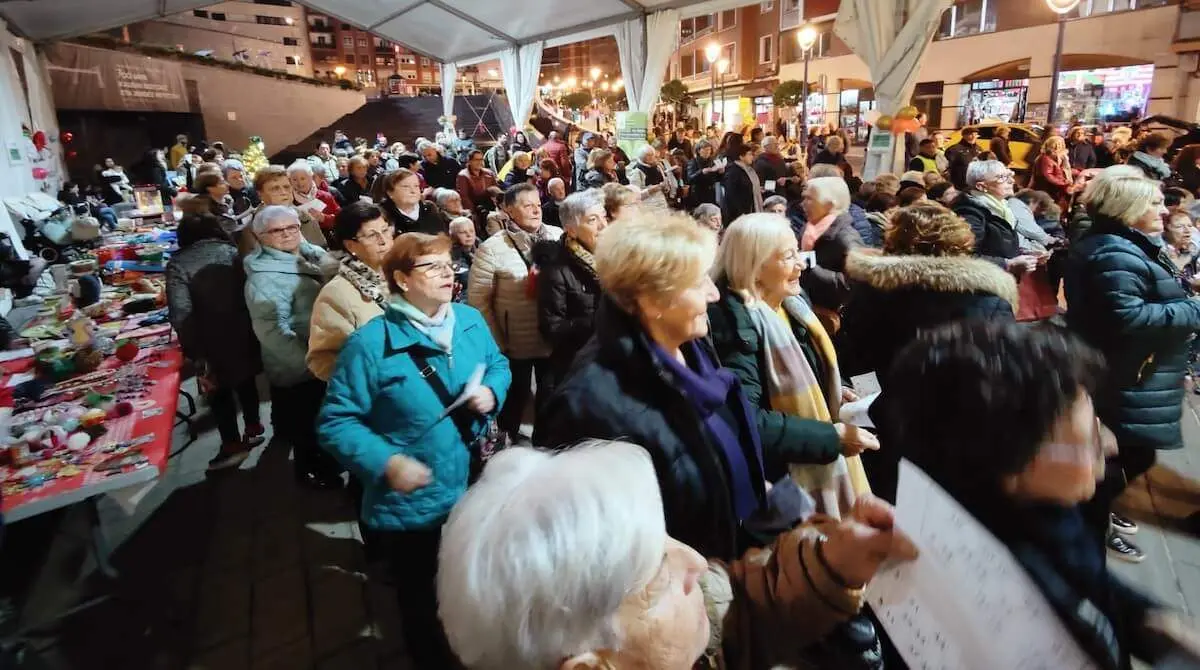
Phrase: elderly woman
{"type": "Point", "coordinates": [358, 293]}
{"type": "Point", "coordinates": [520, 172]}
{"type": "Point", "coordinates": [384, 418]}
{"type": "Point", "coordinates": [602, 169]}
{"type": "Point", "coordinates": [703, 174]}
{"type": "Point", "coordinates": [497, 157]}
{"type": "Point", "coordinates": [355, 185]}
{"type": "Point", "coordinates": [1035, 451]}
{"type": "Point", "coordinates": [404, 207]}
{"type": "Point", "coordinates": [449, 205]}
{"type": "Point", "coordinates": [473, 181]}
{"type": "Point", "coordinates": [309, 198]}
{"type": "Point", "coordinates": [650, 375]}
{"type": "Point", "coordinates": [830, 235]}
{"type": "Point", "coordinates": [637, 597]}
{"type": "Point", "coordinates": [568, 290]}
{"type": "Point", "coordinates": [619, 201]}
{"type": "Point", "coordinates": [653, 181]}
{"type": "Point", "coordinates": [709, 216]}
{"type": "Point", "coordinates": [214, 330]}
{"type": "Point", "coordinates": [1124, 300]}
{"type": "Point", "coordinates": [743, 191]}
{"type": "Point", "coordinates": [243, 196]}
{"type": "Point", "coordinates": [284, 276]}
{"type": "Point", "coordinates": [926, 277]}
{"type": "Point", "coordinates": [1051, 170]}
{"type": "Point", "coordinates": [462, 253]}
{"type": "Point", "coordinates": [776, 204]}
{"type": "Point", "coordinates": [440, 171]}
{"type": "Point", "coordinates": [275, 188]}
{"type": "Point", "coordinates": [984, 206]}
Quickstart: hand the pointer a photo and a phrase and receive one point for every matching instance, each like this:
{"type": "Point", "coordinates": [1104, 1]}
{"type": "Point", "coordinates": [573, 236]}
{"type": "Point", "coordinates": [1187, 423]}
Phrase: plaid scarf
{"type": "Point", "coordinates": [792, 388]}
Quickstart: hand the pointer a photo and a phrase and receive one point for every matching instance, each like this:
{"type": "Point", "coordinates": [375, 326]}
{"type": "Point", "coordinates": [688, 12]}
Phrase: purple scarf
{"type": "Point", "coordinates": [708, 389]}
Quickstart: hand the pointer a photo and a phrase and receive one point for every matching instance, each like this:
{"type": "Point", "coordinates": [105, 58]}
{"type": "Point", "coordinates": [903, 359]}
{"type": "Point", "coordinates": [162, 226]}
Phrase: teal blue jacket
{"type": "Point", "coordinates": [377, 405]}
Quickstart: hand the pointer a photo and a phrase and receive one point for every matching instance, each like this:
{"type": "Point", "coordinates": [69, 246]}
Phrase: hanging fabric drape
{"type": "Point", "coordinates": [520, 66]}
{"type": "Point", "coordinates": [449, 80]}
{"type": "Point", "coordinates": [891, 38]}
{"type": "Point", "coordinates": [645, 45]}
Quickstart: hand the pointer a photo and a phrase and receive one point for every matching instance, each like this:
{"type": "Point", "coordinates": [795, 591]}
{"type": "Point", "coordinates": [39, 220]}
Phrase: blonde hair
{"type": "Point", "coordinates": [1122, 192]}
{"type": "Point", "coordinates": [748, 244]}
{"type": "Point", "coordinates": [652, 253]}
{"type": "Point", "coordinates": [522, 156]}
{"type": "Point", "coordinates": [835, 145]}
{"type": "Point", "coordinates": [1053, 144]}
{"type": "Point", "coordinates": [887, 183]}
{"type": "Point", "coordinates": [596, 157]}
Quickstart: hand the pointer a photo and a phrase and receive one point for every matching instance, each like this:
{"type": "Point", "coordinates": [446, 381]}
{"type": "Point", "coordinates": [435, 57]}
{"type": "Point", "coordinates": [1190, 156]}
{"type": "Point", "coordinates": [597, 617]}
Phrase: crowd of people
{"type": "Point", "coordinates": [680, 327]}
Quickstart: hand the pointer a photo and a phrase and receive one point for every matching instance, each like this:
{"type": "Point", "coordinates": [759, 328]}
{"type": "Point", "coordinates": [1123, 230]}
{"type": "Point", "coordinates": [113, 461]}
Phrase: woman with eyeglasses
{"type": "Point", "coordinates": [384, 419]}
{"type": "Point", "coordinates": [358, 293]}
{"type": "Point", "coordinates": [405, 209]}
{"type": "Point", "coordinates": [283, 277]}
{"type": "Point", "coordinates": [473, 182]}
{"type": "Point", "coordinates": [984, 206]}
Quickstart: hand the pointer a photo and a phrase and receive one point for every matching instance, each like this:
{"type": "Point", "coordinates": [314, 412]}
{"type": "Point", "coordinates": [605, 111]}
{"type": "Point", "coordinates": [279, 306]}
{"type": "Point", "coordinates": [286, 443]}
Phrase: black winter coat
{"type": "Point", "coordinates": [739, 193]}
{"type": "Point", "coordinates": [995, 238]}
{"type": "Point", "coordinates": [568, 297]}
{"type": "Point", "coordinates": [960, 156]}
{"type": "Point", "coordinates": [428, 221]}
{"type": "Point", "coordinates": [893, 299]}
{"type": "Point", "coordinates": [1083, 155]}
{"type": "Point", "coordinates": [770, 168]}
{"type": "Point", "coordinates": [1124, 298]}
{"type": "Point", "coordinates": [704, 185]}
{"type": "Point", "coordinates": [618, 390]}
{"type": "Point", "coordinates": [785, 438]}
{"type": "Point", "coordinates": [442, 174]}
{"type": "Point", "coordinates": [825, 283]}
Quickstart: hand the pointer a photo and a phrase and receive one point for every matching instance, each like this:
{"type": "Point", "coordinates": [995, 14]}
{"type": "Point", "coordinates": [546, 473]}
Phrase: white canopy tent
{"type": "Point", "coordinates": [891, 38]}
{"type": "Point", "coordinates": [453, 32]}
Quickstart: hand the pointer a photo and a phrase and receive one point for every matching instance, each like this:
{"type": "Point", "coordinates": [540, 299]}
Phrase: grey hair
{"type": "Point", "coordinates": [319, 169]}
{"type": "Point", "coordinates": [830, 190]}
{"type": "Point", "coordinates": [232, 164]}
{"type": "Point", "coordinates": [583, 552]}
{"type": "Point", "coordinates": [555, 181]}
{"type": "Point", "coordinates": [825, 170]}
{"type": "Point", "coordinates": [573, 208]}
{"type": "Point", "coordinates": [747, 245]}
{"type": "Point", "coordinates": [460, 222]}
{"type": "Point", "coordinates": [270, 214]}
{"type": "Point", "coordinates": [646, 150]}
{"type": "Point", "coordinates": [443, 195]}
{"type": "Point", "coordinates": [981, 171]}
{"type": "Point", "coordinates": [774, 200]}
{"type": "Point", "coordinates": [705, 209]}
{"type": "Point", "coordinates": [426, 144]}
{"type": "Point", "coordinates": [770, 141]}
{"type": "Point", "coordinates": [300, 165]}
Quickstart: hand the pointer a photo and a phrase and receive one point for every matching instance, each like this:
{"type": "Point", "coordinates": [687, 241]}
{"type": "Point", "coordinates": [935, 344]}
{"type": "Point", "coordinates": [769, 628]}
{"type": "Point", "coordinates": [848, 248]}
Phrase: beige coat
{"type": "Point", "coordinates": [498, 289]}
{"type": "Point", "coordinates": [340, 309]}
{"type": "Point", "coordinates": [767, 606]}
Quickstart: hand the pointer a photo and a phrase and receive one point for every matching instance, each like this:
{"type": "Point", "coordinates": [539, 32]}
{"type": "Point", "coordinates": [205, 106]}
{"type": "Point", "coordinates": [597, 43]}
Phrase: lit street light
{"type": "Point", "coordinates": [492, 73]}
{"type": "Point", "coordinates": [1060, 7]}
{"type": "Point", "coordinates": [712, 52]}
{"type": "Point", "coordinates": [806, 37]}
{"type": "Point", "coordinates": [595, 73]}
{"type": "Point", "coordinates": [604, 86]}
{"type": "Point", "coordinates": [571, 82]}
{"type": "Point", "coordinates": [339, 70]}
{"type": "Point", "coordinates": [618, 84]}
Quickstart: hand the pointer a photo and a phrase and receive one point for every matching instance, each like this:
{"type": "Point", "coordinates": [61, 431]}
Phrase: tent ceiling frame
{"type": "Point", "coordinates": [463, 16]}
{"type": "Point", "coordinates": [394, 15]}
{"type": "Point", "coordinates": [549, 35]}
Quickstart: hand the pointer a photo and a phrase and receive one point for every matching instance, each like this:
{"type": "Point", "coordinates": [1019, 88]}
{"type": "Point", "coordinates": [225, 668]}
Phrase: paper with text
{"type": "Point", "coordinates": [966, 602]}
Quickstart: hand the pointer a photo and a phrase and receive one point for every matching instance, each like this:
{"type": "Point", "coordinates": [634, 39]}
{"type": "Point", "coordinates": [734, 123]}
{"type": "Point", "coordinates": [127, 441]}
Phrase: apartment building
{"type": "Point", "coordinates": [578, 59]}
{"type": "Point", "coordinates": [266, 33]}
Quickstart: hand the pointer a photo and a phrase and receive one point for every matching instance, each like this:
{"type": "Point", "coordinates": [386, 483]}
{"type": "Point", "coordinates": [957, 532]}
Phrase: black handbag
{"type": "Point", "coordinates": [481, 447]}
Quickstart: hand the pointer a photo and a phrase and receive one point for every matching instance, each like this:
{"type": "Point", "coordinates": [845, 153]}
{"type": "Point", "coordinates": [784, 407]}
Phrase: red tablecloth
{"type": "Point", "coordinates": [154, 416]}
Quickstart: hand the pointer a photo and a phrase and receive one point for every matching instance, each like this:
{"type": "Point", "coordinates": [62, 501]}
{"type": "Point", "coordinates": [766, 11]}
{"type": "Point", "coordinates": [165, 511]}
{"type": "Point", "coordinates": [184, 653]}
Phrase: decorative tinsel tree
{"type": "Point", "coordinates": [254, 157]}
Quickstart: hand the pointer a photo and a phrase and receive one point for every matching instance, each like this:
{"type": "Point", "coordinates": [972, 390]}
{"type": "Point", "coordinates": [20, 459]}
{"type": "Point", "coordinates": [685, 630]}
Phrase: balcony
{"type": "Point", "coordinates": [320, 27]}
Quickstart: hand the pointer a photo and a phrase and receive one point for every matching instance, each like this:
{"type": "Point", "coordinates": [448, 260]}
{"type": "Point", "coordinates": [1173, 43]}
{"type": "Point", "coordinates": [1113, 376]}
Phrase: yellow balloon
{"type": "Point", "coordinates": [884, 122]}
{"type": "Point", "coordinates": [907, 112]}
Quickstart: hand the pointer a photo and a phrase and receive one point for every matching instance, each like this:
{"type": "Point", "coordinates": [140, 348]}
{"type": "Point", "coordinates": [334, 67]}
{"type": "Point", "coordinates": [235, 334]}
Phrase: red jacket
{"type": "Point", "coordinates": [1049, 176]}
{"type": "Point", "coordinates": [473, 189]}
{"type": "Point", "coordinates": [558, 152]}
{"type": "Point", "coordinates": [331, 209]}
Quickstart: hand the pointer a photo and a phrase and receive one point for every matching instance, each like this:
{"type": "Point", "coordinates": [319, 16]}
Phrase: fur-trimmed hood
{"type": "Point", "coordinates": [945, 274]}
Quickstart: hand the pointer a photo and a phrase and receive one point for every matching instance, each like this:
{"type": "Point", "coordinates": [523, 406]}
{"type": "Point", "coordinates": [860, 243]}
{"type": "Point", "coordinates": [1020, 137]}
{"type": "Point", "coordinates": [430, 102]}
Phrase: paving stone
{"type": "Point", "coordinates": [233, 655]}
{"type": "Point", "coordinates": [357, 656]}
{"type": "Point", "coordinates": [396, 662]}
{"type": "Point", "coordinates": [297, 654]}
{"type": "Point", "coordinates": [280, 611]}
{"type": "Point", "coordinates": [223, 610]}
{"type": "Point", "coordinates": [332, 545]}
{"type": "Point", "coordinates": [1155, 575]}
{"type": "Point", "coordinates": [230, 548]}
{"type": "Point", "coordinates": [338, 611]}
{"type": "Point", "coordinates": [275, 546]}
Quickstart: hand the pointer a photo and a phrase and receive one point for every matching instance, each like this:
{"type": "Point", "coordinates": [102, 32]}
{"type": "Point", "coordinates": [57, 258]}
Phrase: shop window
{"type": "Point", "coordinates": [766, 49]}
{"type": "Point", "coordinates": [200, 13]}
{"type": "Point", "coordinates": [968, 17]}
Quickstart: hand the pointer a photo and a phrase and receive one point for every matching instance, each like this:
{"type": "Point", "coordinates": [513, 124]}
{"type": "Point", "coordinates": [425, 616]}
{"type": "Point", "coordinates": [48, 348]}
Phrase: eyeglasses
{"type": "Point", "coordinates": [1004, 178]}
{"type": "Point", "coordinates": [286, 230]}
{"type": "Point", "coordinates": [376, 236]}
{"type": "Point", "coordinates": [435, 269]}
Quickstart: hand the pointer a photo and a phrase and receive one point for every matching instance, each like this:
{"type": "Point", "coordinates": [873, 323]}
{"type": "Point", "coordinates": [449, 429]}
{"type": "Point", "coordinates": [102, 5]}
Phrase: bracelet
{"type": "Point", "coordinates": [833, 574]}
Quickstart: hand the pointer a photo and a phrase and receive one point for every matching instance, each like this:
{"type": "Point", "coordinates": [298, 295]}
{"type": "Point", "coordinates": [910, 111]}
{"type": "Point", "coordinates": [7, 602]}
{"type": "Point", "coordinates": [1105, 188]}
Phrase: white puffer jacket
{"type": "Point", "coordinates": [498, 289]}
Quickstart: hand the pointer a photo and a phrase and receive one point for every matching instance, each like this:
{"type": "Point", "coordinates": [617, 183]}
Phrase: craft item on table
{"type": "Point", "coordinates": [42, 331]}
{"type": "Point", "coordinates": [146, 285]}
{"type": "Point", "coordinates": [30, 390]}
{"type": "Point", "coordinates": [148, 331]}
{"type": "Point", "coordinates": [93, 417]}
{"type": "Point", "coordinates": [88, 360]}
{"type": "Point", "coordinates": [55, 364]}
{"type": "Point", "coordinates": [132, 459]}
{"type": "Point", "coordinates": [127, 350]}
{"type": "Point", "coordinates": [85, 266]}
{"type": "Point", "coordinates": [85, 290]}
{"type": "Point", "coordinates": [83, 331]}
{"type": "Point", "coordinates": [107, 346]}
{"type": "Point", "coordinates": [104, 401]}
{"type": "Point", "coordinates": [78, 441]}
{"type": "Point", "coordinates": [139, 303]}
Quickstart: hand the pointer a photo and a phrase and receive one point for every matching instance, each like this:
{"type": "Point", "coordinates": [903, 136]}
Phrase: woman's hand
{"type": "Point", "coordinates": [858, 545]}
{"type": "Point", "coordinates": [1021, 264]}
{"type": "Point", "coordinates": [848, 395]}
{"type": "Point", "coordinates": [855, 440]}
{"type": "Point", "coordinates": [406, 474]}
{"type": "Point", "coordinates": [483, 401]}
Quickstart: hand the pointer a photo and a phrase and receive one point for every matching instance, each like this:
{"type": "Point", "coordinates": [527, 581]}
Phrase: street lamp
{"type": "Point", "coordinates": [595, 73]}
{"type": "Point", "coordinates": [618, 84]}
{"type": "Point", "coordinates": [339, 71]}
{"type": "Point", "coordinates": [1059, 7]}
{"type": "Point", "coordinates": [712, 52]}
{"type": "Point", "coordinates": [806, 37]}
{"type": "Point", "coordinates": [722, 68]}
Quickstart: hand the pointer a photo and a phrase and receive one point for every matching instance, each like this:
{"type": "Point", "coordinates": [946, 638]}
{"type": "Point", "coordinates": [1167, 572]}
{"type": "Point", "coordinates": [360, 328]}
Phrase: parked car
{"type": "Point", "coordinates": [1023, 139]}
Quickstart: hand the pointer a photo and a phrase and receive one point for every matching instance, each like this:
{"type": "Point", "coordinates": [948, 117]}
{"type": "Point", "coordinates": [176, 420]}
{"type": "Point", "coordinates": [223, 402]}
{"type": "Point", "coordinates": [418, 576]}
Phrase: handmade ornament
{"type": "Point", "coordinates": [78, 441]}
{"type": "Point", "coordinates": [127, 350]}
{"type": "Point", "coordinates": [88, 360]}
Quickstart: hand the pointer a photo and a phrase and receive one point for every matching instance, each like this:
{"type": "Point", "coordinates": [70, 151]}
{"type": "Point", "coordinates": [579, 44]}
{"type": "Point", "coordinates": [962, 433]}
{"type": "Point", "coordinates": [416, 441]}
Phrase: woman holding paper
{"type": "Point", "coordinates": [1020, 447]}
{"type": "Point", "coordinates": [766, 333]}
{"type": "Point", "coordinates": [308, 198]}
{"type": "Point", "coordinates": [384, 418]}
{"type": "Point", "coordinates": [404, 207]}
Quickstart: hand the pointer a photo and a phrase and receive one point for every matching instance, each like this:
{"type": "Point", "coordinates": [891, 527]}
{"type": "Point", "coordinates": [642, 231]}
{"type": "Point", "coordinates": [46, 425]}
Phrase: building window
{"type": "Point", "coordinates": [347, 42]}
{"type": "Point", "coordinates": [687, 64]}
{"type": "Point", "coordinates": [426, 76]}
{"type": "Point", "coordinates": [349, 59]}
{"type": "Point", "coordinates": [728, 19]}
{"type": "Point", "coordinates": [970, 17]}
{"type": "Point", "coordinates": [270, 20]}
{"type": "Point", "coordinates": [728, 52]}
{"type": "Point", "coordinates": [425, 62]}
{"type": "Point", "coordinates": [1096, 7]}
{"type": "Point", "coordinates": [764, 7]}
{"type": "Point", "coordinates": [364, 59]}
{"type": "Point", "coordinates": [218, 16]}
{"type": "Point", "coordinates": [790, 49]}
{"type": "Point", "coordinates": [200, 13]}
{"type": "Point", "coordinates": [291, 42]}
{"type": "Point", "coordinates": [320, 41]}
{"type": "Point", "coordinates": [277, 3]}
{"type": "Point", "coordinates": [291, 60]}
{"type": "Point", "coordinates": [766, 49]}
{"type": "Point", "coordinates": [408, 59]}
{"type": "Point", "coordinates": [362, 43]}
{"type": "Point", "coordinates": [346, 26]}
